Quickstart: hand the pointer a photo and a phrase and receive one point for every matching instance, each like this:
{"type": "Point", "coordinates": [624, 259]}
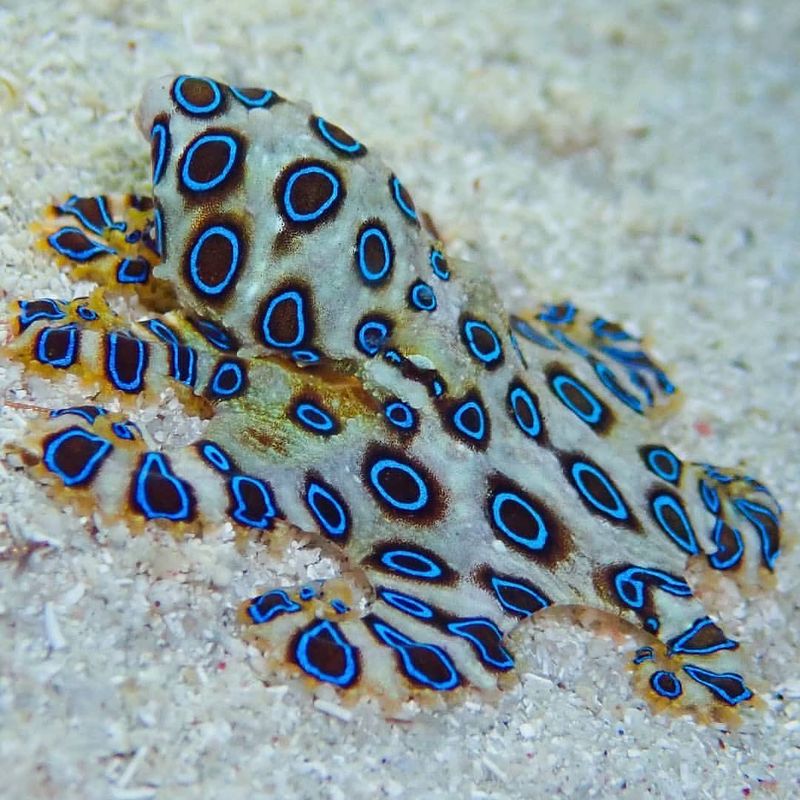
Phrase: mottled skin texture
{"type": "Point", "coordinates": [471, 468]}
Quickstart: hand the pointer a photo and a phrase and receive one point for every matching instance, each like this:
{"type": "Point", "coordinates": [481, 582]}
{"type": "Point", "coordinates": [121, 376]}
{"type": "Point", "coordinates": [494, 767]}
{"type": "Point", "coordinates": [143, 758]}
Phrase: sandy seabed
{"type": "Point", "coordinates": [638, 157]}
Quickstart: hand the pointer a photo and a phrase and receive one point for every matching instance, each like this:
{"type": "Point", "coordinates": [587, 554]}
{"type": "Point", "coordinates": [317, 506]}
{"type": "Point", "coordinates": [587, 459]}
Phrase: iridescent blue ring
{"type": "Point", "coordinates": [291, 212]}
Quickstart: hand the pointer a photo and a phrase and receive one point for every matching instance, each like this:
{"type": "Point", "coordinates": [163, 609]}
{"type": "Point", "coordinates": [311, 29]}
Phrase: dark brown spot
{"type": "Point", "coordinates": [285, 318]}
{"type": "Point", "coordinates": [197, 98]}
{"type": "Point", "coordinates": [215, 257]}
{"type": "Point", "coordinates": [308, 193]}
{"type": "Point", "coordinates": [597, 491]}
{"type": "Point", "coordinates": [211, 164]}
{"type": "Point", "coordinates": [525, 523]}
{"type": "Point", "coordinates": [76, 245]}
{"type": "Point", "coordinates": [339, 140]}
{"type": "Point", "coordinates": [575, 395]}
{"type": "Point", "coordinates": [324, 654]}
{"type": "Point", "coordinates": [402, 486]}
{"type": "Point", "coordinates": [58, 347]}
{"type": "Point", "coordinates": [516, 595]}
{"type": "Point", "coordinates": [126, 361]}
{"type": "Point", "coordinates": [410, 561]}
{"type": "Point", "coordinates": [157, 493]}
{"type": "Point", "coordinates": [466, 419]}
{"type": "Point", "coordinates": [75, 455]}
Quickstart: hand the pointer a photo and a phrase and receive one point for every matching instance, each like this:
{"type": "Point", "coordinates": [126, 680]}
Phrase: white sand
{"type": "Point", "coordinates": [640, 157]}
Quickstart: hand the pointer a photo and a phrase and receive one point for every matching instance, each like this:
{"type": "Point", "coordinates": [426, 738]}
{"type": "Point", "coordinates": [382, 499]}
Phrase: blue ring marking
{"type": "Point", "coordinates": [685, 538]}
{"type": "Point", "coordinates": [371, 335]}
{"type": "Point", "coordinates": [641, 384]}
{"type": "Point", "coordinates": [315, 418]}
{"type": "Point", "coordinates": [307, 593]}
{"type": "Point", "coordinates": [89, 466]}
{"type": "Point", "coordinates": [711, 680]}
{"type": "Point", "coordinates": [561, 314]}
{"type": "Point", "coordinates": [221, 286]}
{"type": "Point", "coordinates": [609, 380]}
{"type": "Point", "coordinates": [535, 542]}
{"type": "Point", "coordinates": [215, 456]}
{"type": "Point", "coordinates": [66, 360]}
{"type": "Point", "coordinates": [339, 606]}
{"type": "Point", "coordinates": [759, 487]}
{"type": "Point", "coordinates": [405, 603]}
{"type": "Point", "coordinates": [397, 190]}
{"type": "Point", "coordinates": [89, 413]}
{"type": "Point", "coordinates": [752, 511]}
{"type": "Point", "coordinates": [133, 237]}
{"type": "Point", "coordinates": [164, 332]}
{"type": "Point", "coordinates": [652, 624]}
{"type": "Point", "coordinates": [158, 462]}
{"type": "Point", "coordinates": [717, 560]}
{"type": "Point", "coordinates": [666, 684]}
{"type": "Point", "coordinates": [619, 510]}
{"type": "Point", "coordinates": [393, 356]}
{"type": "Point", "coordinates": [86, 254]}
{"type": "Point", "coordinates": [316, 492]}
{"type": "Point", "coordinates": [70, 207]}
{"type": "Point", "coordinates": [191, 108]}
{"type": "Point", "coordinates": [317, 213]}
{"type": "Point", "coordinates": [527, 331]}
{"type": "Point", "coordinates": [428, 569]}
{"type": "Point", "coordinates": [183, 360]}
{"type": "Point", "coordinates": [332, 635]}
{"type": "Point", "coordinates": [438, 263]}
{"type": "Point", "coordinates": [86, 313]}
{"type": "Point", "coordinates": [610, 330]}
{"type": "Point", "coordinates": [285, 606]}
{"type": "Point", "coordinates": [519, 394]}
{"type": "Point", "coordinates": [495, 354]}
{"type": "Point", "coordinates": [227, 370]}
{"type": "Point", "coordinates": [253, 102]}
{"type": "Point", "coordinates": [590, 418]}
{"type": "Point", "coordinates": [158, 222]}
{"type": "Point", "coordinates": [355, 148]}
{"type": "Point", "coordinates": [472, 433]}
{"type": "Point", "coordinates": [669, 471]}
{"type": "Point", "coordinates": [401, 415]}
{"type": "Point", "coordinates": [401, 505]}
{"type": "Point", "coordinates": [422, 297]}
{"type": "Point", "coordinates": [629, 584]}
{"type": "Point", "coordinates": [502, 585]}
{"type": "Point", "coordinates": [122, 430]}
{"type": "Point", "coordinates": [305, 357]}
{"type": "Point", "coordinates": [214, 334]}
{"type": "Point", "coordinates": [208, 138]}
{"type": "Point", "coordinates": [404, 646]}
{"type": "Point", "coordinates": [388, 255]}
{"type": "Point", "coordinates": [136, 383]}
{"type": "Point", "coordinates": [715, 474]}
{"type": "Point", "coordinates": [159, 130]}
{"type": "Point", "coordinates": [50, 311]}
{"type": "Point", "coordinates": [437, 388]}
{"type": "Point", "coordinates": [288, 296]}
{"type": "Point", "coordinates": [710, 497]}
{"type": "Point", "coordinates": [571, 344]}
{"type": "Point", "coordinates": [643, 654]}
{"type": "Point", "coordinates": [682, 642]}
{"type": "Point", "coordinates": [638, 361]}
{"type": "Point", "coordinates": [462, 628]}
{"type": "Point", "coordinates": [515, 345]}
{"type": "Point", "coordinates": [237, 484]}
{"type": "Point", "coordinates": [125, 275]}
